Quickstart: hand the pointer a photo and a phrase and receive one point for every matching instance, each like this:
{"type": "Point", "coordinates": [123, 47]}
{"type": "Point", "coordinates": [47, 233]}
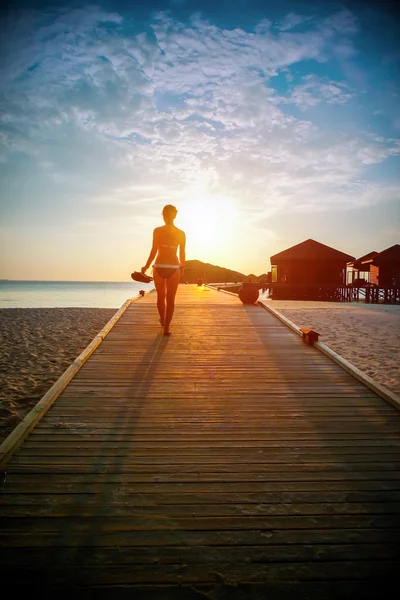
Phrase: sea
{"type": "Point", "coordinates": [68, 294]}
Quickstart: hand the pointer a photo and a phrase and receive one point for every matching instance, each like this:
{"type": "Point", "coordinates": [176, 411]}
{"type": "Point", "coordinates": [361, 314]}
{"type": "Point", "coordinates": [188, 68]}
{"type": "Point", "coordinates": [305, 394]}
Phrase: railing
{"type": "Point", "coordinates": [335, 293]}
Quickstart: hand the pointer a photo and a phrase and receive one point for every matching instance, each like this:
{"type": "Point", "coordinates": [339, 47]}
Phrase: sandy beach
{"type": "Point", "coordinates": [37, 345]}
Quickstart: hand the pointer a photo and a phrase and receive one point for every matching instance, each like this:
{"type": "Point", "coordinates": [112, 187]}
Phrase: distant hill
{"type": "Point", "coordinates": [195, 269]}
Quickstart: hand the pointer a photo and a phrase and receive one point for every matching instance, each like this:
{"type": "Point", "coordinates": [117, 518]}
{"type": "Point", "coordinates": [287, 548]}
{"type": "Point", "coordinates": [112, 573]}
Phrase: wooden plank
{"type": "Point", "coordinates": [325, 427]}
{"type": "Point", "coordinates": [273, 453]}
{"type": "Point", "coordinates": [284, 590]}
{"type": "Point", "coordinates": [179, 572]}
{"type": "Point", "coordinates": [349, 471]}
{"type": "Point", "coordinates": [228, 523]}
{"type": "Point", "coordinates": [85, 505]}
{"type": "Point", "coordinates": [147, 555]}
{"type": "Point", "coordinates": [112, 493]}
{"type": "Point", "coordinates": [114, 462]}
{"type": "Point", "coordinates": [68, 537]}
{"type": "Point", "coordinates": [230, 492]}
{"type": "Point", "coordinates": [70, 443]}
{"type": "Point", "coordinates": [234, 436]}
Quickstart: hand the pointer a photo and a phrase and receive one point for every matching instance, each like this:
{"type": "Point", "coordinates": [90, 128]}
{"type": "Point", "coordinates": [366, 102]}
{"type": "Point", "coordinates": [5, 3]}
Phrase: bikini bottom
{"type": "Point", "coordinates": [166, 271]}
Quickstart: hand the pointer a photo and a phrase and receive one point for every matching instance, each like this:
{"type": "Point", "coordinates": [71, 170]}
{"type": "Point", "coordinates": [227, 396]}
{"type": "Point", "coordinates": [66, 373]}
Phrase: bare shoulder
{"type": "Point", "coordinates": [181, 233]}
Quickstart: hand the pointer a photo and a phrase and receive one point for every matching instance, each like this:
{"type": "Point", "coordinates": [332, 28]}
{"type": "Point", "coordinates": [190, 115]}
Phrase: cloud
{"type": "Point", "coordinates": [292, 20]}
{"type": "Point", "coordinates": [141, 118]}
{"type": "Point", "coordinates": [343, 21]}
{"type": "Point", "coordinates": [315, 90]}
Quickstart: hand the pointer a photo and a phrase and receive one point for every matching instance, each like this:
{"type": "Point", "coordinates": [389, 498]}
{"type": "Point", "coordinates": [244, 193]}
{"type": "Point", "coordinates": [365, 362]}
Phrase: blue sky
{"type": "Point", "coordinates": [265, 124]}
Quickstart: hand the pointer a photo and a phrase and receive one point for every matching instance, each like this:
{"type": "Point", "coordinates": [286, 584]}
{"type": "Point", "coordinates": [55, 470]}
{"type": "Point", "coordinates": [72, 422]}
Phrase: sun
{"type": "Point", "coordinates": [207, 222]}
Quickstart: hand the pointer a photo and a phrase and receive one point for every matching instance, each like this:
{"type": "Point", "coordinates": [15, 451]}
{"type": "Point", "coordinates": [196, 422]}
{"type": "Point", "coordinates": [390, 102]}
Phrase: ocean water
{"type": "Point", "coordinates": [66, 294]}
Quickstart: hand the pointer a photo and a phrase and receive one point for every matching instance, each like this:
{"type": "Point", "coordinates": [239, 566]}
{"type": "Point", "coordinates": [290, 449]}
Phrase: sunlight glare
{"type": "Point", "coordinates": [208, 222]}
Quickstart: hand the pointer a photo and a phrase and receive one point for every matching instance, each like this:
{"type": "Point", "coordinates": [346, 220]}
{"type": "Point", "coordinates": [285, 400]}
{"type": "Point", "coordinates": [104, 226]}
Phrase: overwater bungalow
{"type": "Point", "coordinates": [359, 269]}
{"type": "Point", "coordinates": [310, 262]}
{"type": "Point", "coordinates": [309, 270]}
{"type": "Point", "coordinates": [385, 267]}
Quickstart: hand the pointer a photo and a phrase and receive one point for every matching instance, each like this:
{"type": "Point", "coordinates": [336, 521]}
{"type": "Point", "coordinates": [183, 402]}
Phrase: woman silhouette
{"type": "Point", "coordinates": [167, 270]}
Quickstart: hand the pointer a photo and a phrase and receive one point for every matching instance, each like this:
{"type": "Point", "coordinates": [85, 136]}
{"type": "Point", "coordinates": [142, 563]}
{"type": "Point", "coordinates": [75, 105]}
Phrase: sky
{"type": "Point", "coordinates": [264, 123]}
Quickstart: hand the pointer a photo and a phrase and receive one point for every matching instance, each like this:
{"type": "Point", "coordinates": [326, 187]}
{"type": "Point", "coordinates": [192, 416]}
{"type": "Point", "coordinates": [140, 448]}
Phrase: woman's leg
{"type": "Point", "coordinates": [172, 286]}
{"type": "Point", "coordinates": [161, 287]}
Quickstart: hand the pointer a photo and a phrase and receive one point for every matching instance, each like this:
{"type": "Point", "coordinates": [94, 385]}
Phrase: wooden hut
{"type": "Point", "coordinates": [359, 269]}
{"type": "Point", "coordinates": [310, 263]}
{"type": "Point", "coordinates": [385, 267]}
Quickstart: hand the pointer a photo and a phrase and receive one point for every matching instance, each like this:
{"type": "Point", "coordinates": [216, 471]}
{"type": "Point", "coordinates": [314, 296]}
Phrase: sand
{"type": "Point", "coordinates": [37, 345]}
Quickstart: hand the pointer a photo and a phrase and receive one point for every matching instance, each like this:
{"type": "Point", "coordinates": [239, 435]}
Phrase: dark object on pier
{"type": "Point", "coordinates": [248, 293]}
{"type": "Point", "coordinates": [309, 335]}
{"type": "Point", "coordinates": [142, 292]}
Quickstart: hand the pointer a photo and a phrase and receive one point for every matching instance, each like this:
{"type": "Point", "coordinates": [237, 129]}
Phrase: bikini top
{"type": "Point", "coordinates": [168, 246]}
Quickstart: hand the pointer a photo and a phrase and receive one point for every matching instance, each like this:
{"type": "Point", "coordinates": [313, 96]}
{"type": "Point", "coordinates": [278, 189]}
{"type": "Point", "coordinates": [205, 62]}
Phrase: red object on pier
{"type": "Point", "coordinates": [309, 335]}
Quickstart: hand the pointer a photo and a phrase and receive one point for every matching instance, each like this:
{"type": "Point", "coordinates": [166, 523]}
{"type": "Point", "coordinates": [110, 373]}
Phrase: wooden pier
{"type": "Point", "coordinates": [228, 461]}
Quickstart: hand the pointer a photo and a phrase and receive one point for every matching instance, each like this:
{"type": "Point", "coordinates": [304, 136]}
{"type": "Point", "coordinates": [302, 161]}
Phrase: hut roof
{"type": "Point", "coordinates": [390, 255]}
{"type": "Point", "coordinates": [366, 258]}
{"type": "Point", "coordinates": [310, 249]}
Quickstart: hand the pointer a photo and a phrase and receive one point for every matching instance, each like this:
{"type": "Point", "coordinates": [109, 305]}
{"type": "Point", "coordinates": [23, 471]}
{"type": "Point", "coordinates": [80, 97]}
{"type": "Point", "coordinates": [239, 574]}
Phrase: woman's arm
{"type": "Point", "coordinates": [153, 252]}
{"type": "Point", "coordinates": [182, 252]}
